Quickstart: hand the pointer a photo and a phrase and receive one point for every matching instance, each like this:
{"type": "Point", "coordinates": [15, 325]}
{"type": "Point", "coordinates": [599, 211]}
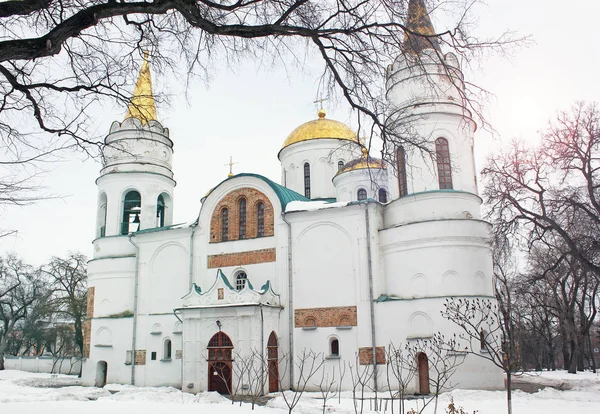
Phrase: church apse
{"type": "Point", "coordinates": [249, 215]}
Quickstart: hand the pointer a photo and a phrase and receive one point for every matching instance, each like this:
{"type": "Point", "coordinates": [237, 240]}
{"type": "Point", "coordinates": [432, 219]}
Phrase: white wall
{"type": "Point", "coordinates": [64, 365]}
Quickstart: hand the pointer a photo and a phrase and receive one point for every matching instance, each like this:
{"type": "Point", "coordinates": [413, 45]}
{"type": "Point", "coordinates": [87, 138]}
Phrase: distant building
{"type": "Point", "coordinates": [346, 255]}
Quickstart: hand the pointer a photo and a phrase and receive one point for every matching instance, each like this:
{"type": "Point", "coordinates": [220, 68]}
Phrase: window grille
{"type": "Point", "coordinates": [362, 194]}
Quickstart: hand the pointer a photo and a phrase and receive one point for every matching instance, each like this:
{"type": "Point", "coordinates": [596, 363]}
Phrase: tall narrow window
{"type": "Point", "coordinates": [383, 195]}
{"type": "Point", "coordinates": [240, 281]}
{"type": "Point", "coordinates": [160, 211]}
{"type": "Point", "coordinates": [224, 224]}
{"type": "Point", "coordinates": [132, 208]}
{"type": "Point", "coordinates": [482, 341]}
{"type": "Point", "coordinates": [242, 207]}
{"type": "Point", "coordinates": [362, 194]}
{"type": "Point", "coordinates": [334, 348]}
{"type": "Point", "coordinates": [167, 349]}
{"type": "Point", "coordinates": [401, 168]}
{"type": "Point", "coordinates": [260, 220]}
{"type": "Point", "coordinates": [442, 153]}
{"type": "Point", "coordinates": [307, 180]}
{"type": "Point", "coordinates": [102, 203]}
{"type": "Point", "coordinates": [340, 165]}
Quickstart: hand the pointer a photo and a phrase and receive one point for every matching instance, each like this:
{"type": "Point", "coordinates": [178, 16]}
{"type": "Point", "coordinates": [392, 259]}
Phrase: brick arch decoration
{"type": "Point", "coordinates": [231, 201]}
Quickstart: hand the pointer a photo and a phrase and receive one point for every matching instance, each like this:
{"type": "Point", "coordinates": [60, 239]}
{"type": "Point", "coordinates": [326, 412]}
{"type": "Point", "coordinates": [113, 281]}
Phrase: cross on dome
{"type": "Point", "coordinates": [231, 164]}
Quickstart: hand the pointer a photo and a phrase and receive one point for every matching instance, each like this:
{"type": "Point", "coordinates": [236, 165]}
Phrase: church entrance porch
{"type": "Point", "coordinates": [220, 357]}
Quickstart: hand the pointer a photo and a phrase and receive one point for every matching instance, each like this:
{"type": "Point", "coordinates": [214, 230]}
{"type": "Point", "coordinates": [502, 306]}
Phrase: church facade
{"type": "Point", "coordinates": [346, 255]}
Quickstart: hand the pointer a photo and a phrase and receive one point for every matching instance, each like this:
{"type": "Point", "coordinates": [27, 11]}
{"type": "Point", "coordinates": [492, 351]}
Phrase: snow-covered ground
{"type": "Point", "coordinates": [26, 393]}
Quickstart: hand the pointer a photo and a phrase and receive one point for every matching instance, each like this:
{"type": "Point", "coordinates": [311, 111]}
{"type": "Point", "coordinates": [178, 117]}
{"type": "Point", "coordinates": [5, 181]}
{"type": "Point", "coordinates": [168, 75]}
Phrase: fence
{"type": "Point", "coordinates": [64, 365]}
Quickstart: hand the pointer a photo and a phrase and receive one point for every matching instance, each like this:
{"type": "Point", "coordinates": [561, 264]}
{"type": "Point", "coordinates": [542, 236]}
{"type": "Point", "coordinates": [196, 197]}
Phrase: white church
{"type": "Point", "coordinates": [343, 256]}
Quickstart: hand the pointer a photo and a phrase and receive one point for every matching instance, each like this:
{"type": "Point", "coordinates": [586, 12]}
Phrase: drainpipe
{"type": "Point", "coordinates": [182, 342]}
{"type": "Point", "coordinates": [135, 304]}
{"type": "Point", "coordinates": [290, 302]}
{"type": "Point", "coordinates": [191, 270]}
{"type": "Point", "coordinates": [371, 301]}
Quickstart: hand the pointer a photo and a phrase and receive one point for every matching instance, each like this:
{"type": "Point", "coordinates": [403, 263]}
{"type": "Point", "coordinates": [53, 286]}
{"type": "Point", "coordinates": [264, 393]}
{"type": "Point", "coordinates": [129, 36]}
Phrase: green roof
{"type": "Point", "coordinates": [284, 194]}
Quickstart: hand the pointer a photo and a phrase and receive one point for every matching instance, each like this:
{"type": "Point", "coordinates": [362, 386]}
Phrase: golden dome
{"type": "Point", "coordinates": [363, 163]}
{"type": "Point", "coordinates": [319, 129]}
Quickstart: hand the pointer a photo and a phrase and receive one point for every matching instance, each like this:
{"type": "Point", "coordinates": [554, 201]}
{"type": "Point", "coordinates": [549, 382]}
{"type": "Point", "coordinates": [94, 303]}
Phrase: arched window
{"type": "Point", "coordinates": [242, 207]}
{"type": "Point", "coordinates": [260, 219]}
{"type": "Point", "coordinates": [220, 347]}
{"type": "Point", "coordinates": [132, 208]}
{"type": "Point", "coordinates": [334, 348]}
{"type": "Point", "coordinates": [401, 168]}
{"type": "Point", "coordinates": [167, 349]}
{"type": "Point", "coordinates": [160, 211]}
{"type": "Point", "coordinates": [442, 154]}
{"type": "Point", "coordinates": [240, 281]}
{"type": "Point", "coordinates": [383, 198]}
{"type": "Point", "coordinates": [307, 180]}
{"type": "Point", "coordinates": [340, 165]}
{"type": "Point", "coordinates": [224, 224]}
{"type": "Point", "coordinates": [362, 194]}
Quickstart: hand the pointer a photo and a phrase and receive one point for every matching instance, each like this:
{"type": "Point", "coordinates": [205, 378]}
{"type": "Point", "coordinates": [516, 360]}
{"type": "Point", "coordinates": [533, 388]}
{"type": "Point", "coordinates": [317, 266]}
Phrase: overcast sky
{"type": "Point", "coordinates": [249, 113]}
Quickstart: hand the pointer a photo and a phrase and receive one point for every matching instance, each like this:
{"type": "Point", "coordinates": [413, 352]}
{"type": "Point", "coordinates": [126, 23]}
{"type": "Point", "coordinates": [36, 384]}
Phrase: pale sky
{"type": "Point", "coordinates": [249, 113]}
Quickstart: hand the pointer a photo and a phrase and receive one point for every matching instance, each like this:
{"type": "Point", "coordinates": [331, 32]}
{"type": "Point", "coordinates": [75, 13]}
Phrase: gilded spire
{"type": "Point", "coordinates": [142, 104]}
{"type": "Point", "coordinates": [418, 21]}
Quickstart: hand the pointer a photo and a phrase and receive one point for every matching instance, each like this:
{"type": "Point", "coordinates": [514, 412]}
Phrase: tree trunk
{"type": "Point", "coordinates": [509, 391]}
{"type": "Point", "coordinates": [591, 351]}
{"type": "Point", "coordinates": [1, 361]}
{"type": "Point", "coordinates": [574, 357]}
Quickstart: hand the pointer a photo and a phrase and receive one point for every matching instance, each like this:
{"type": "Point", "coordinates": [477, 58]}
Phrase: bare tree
{"type": "Point", "coordinates": [444, 358]}
{"type": "Point", "coordinates": [552, 193]}
{"type": "Point", "coordinates": [21, 288]}
{"type": "Point", "coordinates": [327, 386]}
{"type": "Point", "coordinates": [59, 58]}
{"type": "Point", "coordinates": [483, 335]}
{"type": "Point", "coordinates": [306, 365]}
{"type": "Point", "coordinates": [68, 280]}
{"type": "Point", "coordinates": [362, 378]}
{"type": "Point", "coordinates": [401, 369]}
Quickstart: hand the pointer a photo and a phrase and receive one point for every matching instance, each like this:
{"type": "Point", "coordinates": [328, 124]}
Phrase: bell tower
{"type": "Point", "coordinates": [135, 186]}
{"type": "Point", "coordinates": [425, 88]}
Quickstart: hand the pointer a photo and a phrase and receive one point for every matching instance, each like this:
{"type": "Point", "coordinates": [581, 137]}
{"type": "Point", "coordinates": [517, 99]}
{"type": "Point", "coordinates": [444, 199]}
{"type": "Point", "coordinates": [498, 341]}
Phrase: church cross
{"type": "Point", "coordinates": [320, 101]}
{"type": "Point", "coordinates": [231, 164]}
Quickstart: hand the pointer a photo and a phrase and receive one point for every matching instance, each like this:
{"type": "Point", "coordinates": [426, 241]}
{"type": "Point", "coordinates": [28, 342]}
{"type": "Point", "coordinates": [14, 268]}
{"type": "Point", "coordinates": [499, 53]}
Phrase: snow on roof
{"type": "Point", "coordinates": [313, 205]}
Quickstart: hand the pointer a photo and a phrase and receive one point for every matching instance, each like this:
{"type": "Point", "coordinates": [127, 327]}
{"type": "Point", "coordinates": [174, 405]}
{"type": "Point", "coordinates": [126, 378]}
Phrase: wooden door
{"type": "Point", "coordinates": [219, 377]}
{"type": "Point", "coordinates": [423, 365]}
{"type": "Point", "coordinates": [220, 357]}
{"type": "Point", "coordinates": [272, 353]}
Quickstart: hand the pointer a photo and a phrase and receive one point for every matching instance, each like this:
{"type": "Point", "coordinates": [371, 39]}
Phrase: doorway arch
{"type": "Point", "coordinates": [273, 359]}
{"type": "Point", "coordinates": [220, 349]}
{"type": "Point", "coordinates": [423, 370]}
{"type": "Point", "coordinates": [101, 373]}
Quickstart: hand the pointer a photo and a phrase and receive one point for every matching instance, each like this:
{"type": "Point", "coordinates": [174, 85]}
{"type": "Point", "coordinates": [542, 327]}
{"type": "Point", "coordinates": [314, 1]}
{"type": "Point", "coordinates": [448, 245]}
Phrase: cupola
{"type": "Point", "coordinates": [313, 153]}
